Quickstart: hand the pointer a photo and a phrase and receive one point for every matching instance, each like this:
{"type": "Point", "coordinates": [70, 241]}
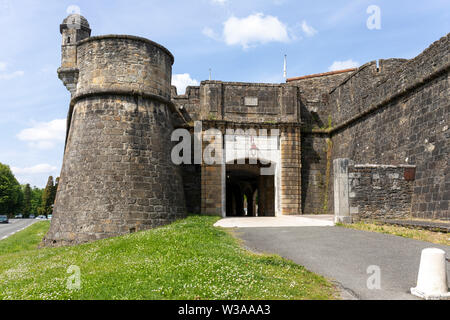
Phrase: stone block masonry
{"type": "Point", "coordinates": [117, 174]}
{"type": "Point", "coordinates": [291, 200]}
{"type": "Point", "coordinates": [380, 191]}
{"type": "Point", "coordinates": [401, 119]}
{"type": "Point", "coordinates": [371, 191]}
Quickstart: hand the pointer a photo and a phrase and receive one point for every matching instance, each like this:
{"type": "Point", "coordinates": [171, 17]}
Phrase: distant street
{"type": "Point", "coordinates": [14, 226]}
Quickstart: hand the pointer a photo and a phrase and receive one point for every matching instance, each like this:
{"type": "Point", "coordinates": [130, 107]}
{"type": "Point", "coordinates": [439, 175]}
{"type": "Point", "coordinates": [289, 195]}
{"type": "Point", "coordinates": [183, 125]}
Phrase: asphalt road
{"type": "Point", "coordinates": [344, 255]}
{"type": "Point", "coordinates": [13, 226]}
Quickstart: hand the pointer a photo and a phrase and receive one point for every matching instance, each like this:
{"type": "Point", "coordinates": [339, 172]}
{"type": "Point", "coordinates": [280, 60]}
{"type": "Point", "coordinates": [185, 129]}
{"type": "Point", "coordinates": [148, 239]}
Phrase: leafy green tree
{"type": "Point", "coordinates": [27, 199]}
{"type": "Point", "coordinates": [19, 206]}
{"type": "Point", "coordinates": [10, 192]}
{"type": "Point", "coordinates": [48, 198]}
{"type": "Point", "coordinates": [36, 200]}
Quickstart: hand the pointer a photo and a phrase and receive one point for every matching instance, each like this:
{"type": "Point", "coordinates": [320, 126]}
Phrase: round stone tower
{"type": "Point", "coordinates": [117, 175]}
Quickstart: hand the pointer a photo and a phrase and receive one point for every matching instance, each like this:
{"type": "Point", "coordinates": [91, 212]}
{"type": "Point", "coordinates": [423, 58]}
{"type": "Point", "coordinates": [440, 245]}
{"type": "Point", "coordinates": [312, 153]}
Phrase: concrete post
{"type": "Point", "coordinates": [341, 203]}
{"type": "Point", "coordinates": [432, 277]}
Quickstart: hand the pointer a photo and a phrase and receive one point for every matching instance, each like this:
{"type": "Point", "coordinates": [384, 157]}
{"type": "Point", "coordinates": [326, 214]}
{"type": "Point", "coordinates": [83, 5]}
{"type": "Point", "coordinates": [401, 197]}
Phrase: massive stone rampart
{"type": "Point", "coordinates": [400, 118]}
{"type": "Point", "coordinates": [117, 174]}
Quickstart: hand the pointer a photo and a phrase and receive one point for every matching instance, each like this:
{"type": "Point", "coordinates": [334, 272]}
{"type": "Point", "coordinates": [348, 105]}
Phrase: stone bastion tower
{"type": "Point", "coordinates": [117, 175]}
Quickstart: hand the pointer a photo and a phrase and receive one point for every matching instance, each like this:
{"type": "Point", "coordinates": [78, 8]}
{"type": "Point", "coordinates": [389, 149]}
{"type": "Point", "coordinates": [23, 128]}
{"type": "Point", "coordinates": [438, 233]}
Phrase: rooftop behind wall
{"type": "Point", "coordinates": [364, 91]}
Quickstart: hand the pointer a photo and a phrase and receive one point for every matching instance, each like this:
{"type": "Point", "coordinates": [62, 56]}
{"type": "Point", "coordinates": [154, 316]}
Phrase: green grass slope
{"type": "Point", "coordinates": [27, 239]}
{"type": "Point", "coordinates": [189, 259]}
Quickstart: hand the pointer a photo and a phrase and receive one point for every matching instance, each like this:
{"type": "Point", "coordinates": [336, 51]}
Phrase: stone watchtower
{"type": "Point", "coordinates": [117, 175]}
{"type": "Point", "coordinates": [73, 29]}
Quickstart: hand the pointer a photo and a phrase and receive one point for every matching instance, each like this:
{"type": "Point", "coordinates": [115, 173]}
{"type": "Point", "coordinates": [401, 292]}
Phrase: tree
{"type": "Point", "coordinates": [27, 199]}
{"type": "Point", "coordinates": [36, 200]}
{"type": "Point", "coordinates": [55, 189]}
{"type": "Point", "coordinates": [48, 198]}
{"type": "Point", "coordinates": [10, 192]}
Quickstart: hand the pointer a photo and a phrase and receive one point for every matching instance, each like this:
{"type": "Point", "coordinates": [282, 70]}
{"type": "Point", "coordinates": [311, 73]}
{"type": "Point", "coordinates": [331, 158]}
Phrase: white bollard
{"type": "Point", "coordinates": [432, 278]}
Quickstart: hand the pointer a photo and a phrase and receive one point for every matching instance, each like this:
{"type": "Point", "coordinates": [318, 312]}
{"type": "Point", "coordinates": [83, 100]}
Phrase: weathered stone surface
{"type": "Point", "coordinates": [124, 63]}
{"type": "Point", "coordinates": [341, 191]}
{"type": "Point", "coordinates": [226, 101]}
{"type": "Point", "coordinates": [118, 177]}
{"type": "Point", "coordinates": [373, 114]}
{"type": "Point", "coordinates": [401, 118]}
{"type": "Point", "coordinates": [379, 191]}
{"type": "Point", "coordinates": [117, 174]}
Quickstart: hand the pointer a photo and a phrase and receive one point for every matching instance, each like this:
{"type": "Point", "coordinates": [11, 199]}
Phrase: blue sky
{"type": "Point", "coordinates": [240, 40]}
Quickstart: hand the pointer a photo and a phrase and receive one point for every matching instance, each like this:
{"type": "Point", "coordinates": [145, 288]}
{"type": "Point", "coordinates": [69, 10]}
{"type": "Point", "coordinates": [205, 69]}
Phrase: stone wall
{"type": "Point", "coordinates": [348, 99]}
{"type": "Point", "coordinates": [213, 175]}
{"type": "Point", "coordinates": [369, 87]}
{"type": "Point", "coordinates": [314, 96]}
{"type": "Point", "coordinates": [314, 109]}
{"type": "Point", "coordinates": [248, 102]}
{"type": "Point", "coordinates": [291, 166]}
{"type": "Point", "coordinates": [380, 191]}
{"type": "Point", "coordinates": [117, 176]}
{"type": "Point", "coordinates": [400, 118]}
{"type": "Point", "coordinates": [124, 63]}
{"type": "Point", "coordinates": [192, 185]}
{"type": "Point", "coordinates": [315, 176]}
{"type": "Point", "coordinates": [188, 104]}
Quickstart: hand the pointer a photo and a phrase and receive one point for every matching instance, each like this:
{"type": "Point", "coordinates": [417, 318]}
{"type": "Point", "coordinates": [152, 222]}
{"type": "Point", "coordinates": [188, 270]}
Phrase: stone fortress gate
{"type": "Point", "coordinates": [360, 143]}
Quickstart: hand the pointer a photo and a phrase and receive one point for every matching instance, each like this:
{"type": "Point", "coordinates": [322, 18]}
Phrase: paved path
{"type": "Point", "coordinates": [283, 221]}
{"type": "Point", "coordinates": [344, 255]}
{"type": "Point", "coordinates": [14, 226]}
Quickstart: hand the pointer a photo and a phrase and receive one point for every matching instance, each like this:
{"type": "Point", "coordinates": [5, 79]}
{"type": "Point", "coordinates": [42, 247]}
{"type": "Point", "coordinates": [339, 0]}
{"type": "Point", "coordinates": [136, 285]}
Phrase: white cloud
{"type": "Point", "coordinates": [254, 29]}
{"type": "Point", "coordinates": [307, 29]}
{"type": "Point", "coordinates": [221, 2]}
{"type": "Point", "coordinates": [340, 65]}
{"type": "Point", "coordinates": [181, 81]}
{"type": "Point", "coordinates": [36, 175]}
{"type": "Point", "coordinates": [44, 135]}
{"type": "Point", "coordinates": [11, 75]}
{"type": "Point", "coordinates": [37, 169]}
{"type": "Point", "coordinates": [210, 33]}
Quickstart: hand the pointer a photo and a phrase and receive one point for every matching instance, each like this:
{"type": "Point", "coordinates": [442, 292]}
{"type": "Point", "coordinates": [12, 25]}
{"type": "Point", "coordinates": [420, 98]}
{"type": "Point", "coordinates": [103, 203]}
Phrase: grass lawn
{"type": "Point", "coordinates": [189, 259]}
{"type": "Point", "coordinates": [424, 235]}
{"type": "Point", "coordinates": [27, 239]}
